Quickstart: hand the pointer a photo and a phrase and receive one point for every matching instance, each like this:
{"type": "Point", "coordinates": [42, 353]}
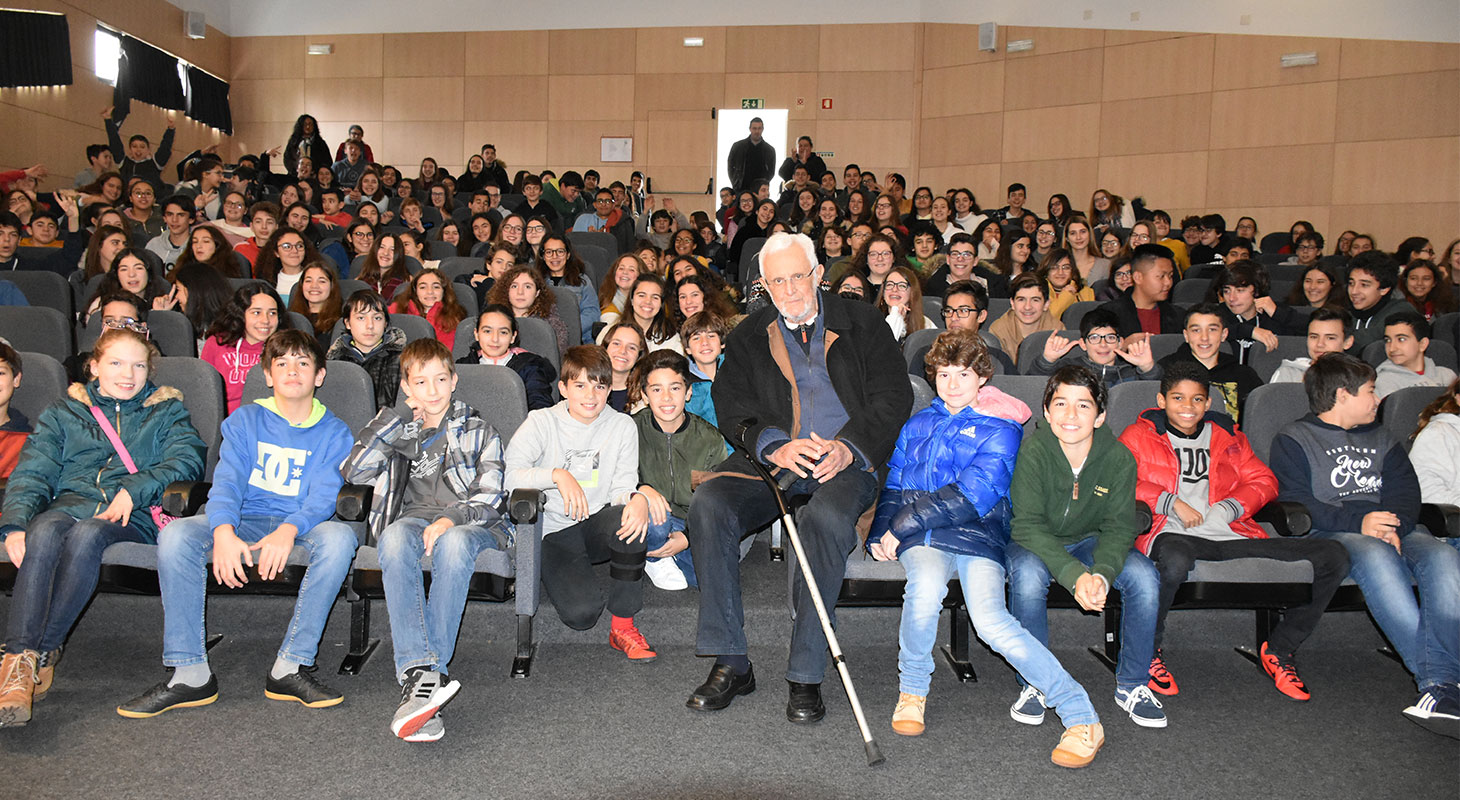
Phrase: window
{"type": "Point", "coordinates": [108, 55]}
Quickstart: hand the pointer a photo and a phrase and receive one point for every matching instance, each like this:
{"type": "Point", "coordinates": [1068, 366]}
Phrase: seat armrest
{"type": "Point", "coordinates": [1441, 519]}
{"type": "Point", "coordinates": [525, 504]}
{"type": "Point", "coordinates": [1286, 517]}
{"type": "Point", "coordinates": [353, 502]}
{"type": "Point", "coordinates": [1143, 517]}
{"type": "Point", "coordinates": [525, 507]}
{"type": "Point", "coordinates": [184, 498]}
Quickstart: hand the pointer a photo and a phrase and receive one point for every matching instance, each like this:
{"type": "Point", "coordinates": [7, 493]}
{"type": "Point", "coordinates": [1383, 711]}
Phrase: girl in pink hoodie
{"type": "Point", "coordinates": [236, 338]}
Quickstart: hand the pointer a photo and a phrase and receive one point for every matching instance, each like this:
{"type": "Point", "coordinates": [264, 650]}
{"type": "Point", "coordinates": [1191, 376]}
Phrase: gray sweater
{"type": "Point", "coordinates": [603, 455]}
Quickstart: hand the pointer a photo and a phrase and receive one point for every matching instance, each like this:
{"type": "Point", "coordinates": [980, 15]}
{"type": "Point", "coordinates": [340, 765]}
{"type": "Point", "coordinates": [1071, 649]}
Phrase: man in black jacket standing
{"type": "Point", "coordinates": [751, 159]}
{"type": "Point", "coordinates": [803, 157]}
{"type": "Point", "coordinates": [819, 386]}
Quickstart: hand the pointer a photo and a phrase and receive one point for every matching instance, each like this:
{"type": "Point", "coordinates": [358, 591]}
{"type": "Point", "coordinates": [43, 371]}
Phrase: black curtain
{"type": "Point", "coordinates": [208, 100]}
{"type": "Point", "coordinates": [35, 49]}
{"type": "Point", "coordinates": [147, 74]}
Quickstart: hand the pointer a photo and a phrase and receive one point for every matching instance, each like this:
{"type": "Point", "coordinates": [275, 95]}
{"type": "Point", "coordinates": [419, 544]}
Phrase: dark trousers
{"type": "Point", "coordinates": [1176, 553]}
{"type": "Point", "coordinates": [568, 557]}
{"type": "Point", "coordinates": [725, 509]}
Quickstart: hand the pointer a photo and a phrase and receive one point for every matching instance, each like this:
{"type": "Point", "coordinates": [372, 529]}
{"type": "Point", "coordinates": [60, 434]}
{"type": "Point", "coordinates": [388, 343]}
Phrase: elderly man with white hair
{"type": "Point", "coordinates": [821, 390]}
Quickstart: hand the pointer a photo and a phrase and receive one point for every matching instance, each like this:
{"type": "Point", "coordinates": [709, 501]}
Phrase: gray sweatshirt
{"type": "Point", "coordinates": [603, 455]}
{"type": "Point", "coordinates": [1393, 377]}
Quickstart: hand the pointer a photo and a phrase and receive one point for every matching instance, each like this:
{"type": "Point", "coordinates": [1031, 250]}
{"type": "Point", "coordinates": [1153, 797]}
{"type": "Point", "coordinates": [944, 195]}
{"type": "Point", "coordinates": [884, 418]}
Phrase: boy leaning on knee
{"type": "Point", "coordinates": [945, 510]}
{"type": "Point", "coordinates": [438, 477]}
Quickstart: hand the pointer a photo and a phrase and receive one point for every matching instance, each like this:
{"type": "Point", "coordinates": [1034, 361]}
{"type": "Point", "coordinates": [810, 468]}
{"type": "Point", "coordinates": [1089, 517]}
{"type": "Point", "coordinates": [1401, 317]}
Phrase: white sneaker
{"type": "Point", "coordinates": [665, 574]}
{"type": "Point", "coordinates": [1029, 708]}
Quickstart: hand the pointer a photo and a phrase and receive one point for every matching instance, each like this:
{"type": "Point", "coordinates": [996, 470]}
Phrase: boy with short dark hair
{"type": "Point", "coordinates": [332, 203]}
{"type": "Point", "coordinates": [1203, 483]}
{"type": "Point", "coordinates": [438, 475]}
{"type": "Point", "coordinates": [1204, 332]}
{"type": "Point", "coordinates": [585, 457]}
{"type": "Point", "coordinates": [703, 336]}
{"type": "Point", "coordinates": [1028, 313]}
{"type": "Point", "coordinates": [14, 427]}
{"type": "Point", "coordinates": [1145, 309]}
{"type": "Point", "coordinates": [1075, 522]}
{"type": "Point", "coordinates": [1406, 339]}
{"type": "Point", "coordinates": [1360, 488]}
{"type": "Point", "coordinates": [1251, 317]}
{"type": "Point", "coordinates": [1330, 330]}
{"type": "Point", "coordinates": [1099, 350]}
{"type": "Point", "coordinates": [1372, 276]}
{"type": "Point", "coordinates": [263, 220]}
{"type": "Point", "coordinates": [677, 451]}
{"type": "Point", "coordinates": [274, 488]}
{"type": "Point", "coordinates": [136, 160]}
{"type": "Point", "coordinates": [369, 341]}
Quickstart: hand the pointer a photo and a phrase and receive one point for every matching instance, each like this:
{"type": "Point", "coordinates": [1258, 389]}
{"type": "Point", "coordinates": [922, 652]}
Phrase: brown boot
{"type": "Point", "coordinates": [17, 687]}
{"type": "Point", "coordinates": [907, 718]}
{"type": "Point", "coordinates": [1078, 745]}
{"type": "Point", "coordinates": [46, 672]}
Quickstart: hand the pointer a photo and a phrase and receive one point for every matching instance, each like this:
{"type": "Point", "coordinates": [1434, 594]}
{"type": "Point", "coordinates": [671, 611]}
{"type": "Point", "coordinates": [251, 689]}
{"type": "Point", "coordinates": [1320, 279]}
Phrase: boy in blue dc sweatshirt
{"type": "Point", "coordinates": [274, 488]}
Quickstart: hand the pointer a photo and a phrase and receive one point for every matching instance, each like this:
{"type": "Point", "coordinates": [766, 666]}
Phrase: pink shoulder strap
{"type": "Point", "coordinates": [111, 435]}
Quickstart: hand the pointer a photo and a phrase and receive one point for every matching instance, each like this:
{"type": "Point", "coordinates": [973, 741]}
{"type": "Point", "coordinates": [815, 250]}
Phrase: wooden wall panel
{"type": "Point", "coordinates": [1251, 61]}
{"type": "Point", "coordinates": [1052, 40]}
{"type": "Point", "coordinates": [772, 48]}
{"type": "Point", "coordinates": [1164, 179]}
{"type": "Point", "coordinates": [1271, 176]}
{"type": "Point", "coordinates": [860, 48]}
{"type": "Point", "coordinates": [346, 99]}
{"type": "Point", "coordinates": [661, 91]}
{"type": "Point", "coordinates": [423, 55]}
{"type": "Point", "coordinates": [577, 141]}
{"type": "Point", "coordinates": [778, 89]}
{"type": "Point", "coordinates": [258, 137]}
{"type": "Point", "coordinates": [355, 56]}
{"type": "Point", "coordinates": [270, 100]}
{"type": "Point", "coordinates": [80, 103]}
{"type": "Point", "coordinates": [663, 50]}
{"type": "Point", "coordinates": [409, 142]}
{"type": "Point", "coordinates": [1114, 38]}
{"type": "Point", "coordinates": [590, 97]}
{"type": "Point", "coordinates": [267, 57]}
{"type": "Point", "coordinates": [680, 143]}
{"type": "Point", "coordinates": [972, 89]}
{"type": "Point", "coordinates": [1403, 172]}
{"type": "Point", "coordinates": [506, 97]}
{"type": "Point", "coordinates": [1392, 223]}
{"type": "Point", "coordinates": [1075, 177]}
{"type": "Point", "coordinates": [595, 52]}
{"type": "Point", "coordinates": [1178, 123]}
{"type": "Point", "coordinates": [952, 45]}
{"type": "Point", "coordinates": [517, 142]}
{"type": "Point", "coordinates": [429, 99]}
{"type": "Point", "coordinates": [865, 95]}
{"type": "Point", "coordinates": [1276, 115]}
{"type": "Point", "coordinates": [971, 139]}
{"type": "Point", "coordinates": [1153, 69]}
{"type": "Point", "coordinates": [1398, 107]}
{"type": "Point", "coordinates": [885, 143]}
{"type": "Point", "coordinates": [1273, 218]}
{"type": "Point", "coordinates": [1060, 79]}
{"type": "Point", "coordinates": [981, 179]}
{"type": "Point", "coordinates": [1062, 132]}
{"type": "Point", "coordinates": [1364, 58]}
{"type": "Point", "coordinates": [338, 130]}
{"type": "Point", "coordinates": [506, 53]}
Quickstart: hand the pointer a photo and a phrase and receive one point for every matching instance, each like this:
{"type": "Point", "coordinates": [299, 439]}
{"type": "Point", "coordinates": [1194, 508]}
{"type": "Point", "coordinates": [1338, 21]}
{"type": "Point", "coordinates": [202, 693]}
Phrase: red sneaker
{"type": "Point", "coordinates": [633, 645]}
{"type": "Point", "coordinates": [1284, 674]}
{"type": "Point", "coordinates": [1162, 681]}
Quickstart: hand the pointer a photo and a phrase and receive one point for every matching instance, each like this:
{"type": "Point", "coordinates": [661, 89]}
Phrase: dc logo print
{"type": "Point", "coordinates": [278, 470]}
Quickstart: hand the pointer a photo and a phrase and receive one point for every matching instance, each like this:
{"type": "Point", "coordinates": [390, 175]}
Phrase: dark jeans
{"type": "Point", "coordinates": [1176, 553]}
{"type": "Point", "coordinates": [58, 576]}
{"type": "Point", "coordinates": [568, 557]}
{"type": "Point", "coordinates": [725, 509]}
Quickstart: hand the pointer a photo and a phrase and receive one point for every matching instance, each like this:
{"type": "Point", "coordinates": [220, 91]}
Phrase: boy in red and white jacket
{"type": "Point", "coordinates": [1203, 483]}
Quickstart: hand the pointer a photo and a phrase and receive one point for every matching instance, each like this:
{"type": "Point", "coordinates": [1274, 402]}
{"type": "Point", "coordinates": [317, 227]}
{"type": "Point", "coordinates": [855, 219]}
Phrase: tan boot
{"type": "Point", "coordinates": [907, 718]}
{"type": "Point", "coordinates": [17, 687]}
{"type": "Point", "coordinates": [1078, 746]}
{"type": "Point", "coordinates": [46, 672]}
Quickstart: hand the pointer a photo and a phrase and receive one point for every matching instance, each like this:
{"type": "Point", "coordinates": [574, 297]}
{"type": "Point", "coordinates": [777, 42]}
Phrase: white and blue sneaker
{"type": "Point", "coordinates": [1143, 707]}
{"type": "Point", "coordinates": [1029, 708]}
{"type": "Point", "coordinates": [1438, 710]}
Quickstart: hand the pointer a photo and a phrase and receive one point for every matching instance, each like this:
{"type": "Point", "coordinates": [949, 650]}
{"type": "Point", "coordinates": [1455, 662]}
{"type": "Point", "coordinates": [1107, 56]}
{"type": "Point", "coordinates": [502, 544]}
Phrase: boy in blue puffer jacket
{"type": "Point", "coordinates": [944, 509]}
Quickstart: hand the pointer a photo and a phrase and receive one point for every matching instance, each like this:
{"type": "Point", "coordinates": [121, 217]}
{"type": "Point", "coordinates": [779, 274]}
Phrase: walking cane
{"type": "Point", "coordinates": [874, 753]}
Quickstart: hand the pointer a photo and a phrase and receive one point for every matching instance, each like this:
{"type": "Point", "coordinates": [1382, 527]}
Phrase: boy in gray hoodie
{"type": "Point", "coordinates": [1330, 330]}
{"type": "Point", "coordinates": [585, 456]}
{"type": "Point", "coordinates": [1406, 340]}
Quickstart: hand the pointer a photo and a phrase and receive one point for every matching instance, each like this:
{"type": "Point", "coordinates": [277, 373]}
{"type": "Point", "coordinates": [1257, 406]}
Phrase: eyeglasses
{"type": "Point", "coordinates": [291, 245]}
{"type": "Point", "coordinates": [900, 286]}
{"type": "Point", "coordinates": [603, 200]}
{"type": "Point", "coordinates": [1108, 338]}
{"type": "Point", "coordinates": [879, 254]}
{"type": "Point", "coordinates": [513, 228]}
{"type": "Point", "coordinates": [235, 204]}
{"type": "Point", "coordinates": [960, 255]}
{"type": "Point", "coordinates": [363, 234]}
{"type": "Point", "coordinates": [126, 323]}
{"type": "Point", "coordinates": [536, 229]}
{"type": "Point", "coordinates": [961, 312]}
{"type": "Point", "coordinates": [796, 278]}
{"type": "Point", "coordinates": [555, 251]}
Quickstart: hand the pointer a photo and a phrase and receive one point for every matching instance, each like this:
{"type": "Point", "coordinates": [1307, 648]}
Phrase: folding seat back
{"type": "Point", "coordinates": [536, 336]}
{"type": "Point", "coordinates": [43, 381]}
{"type": "Point", "coordinates": [1077, 311]}
{"type": "Point", "coordinates": [1400, 410]}
{"type": "Point", "coordinates": [203, 395]}
{"type": "Point", "coordinates": [347, 391]}
{"type": "Point", "coordinates": [1269, 408]}
{"type": "Point", "coordinates": [1029, 389]}
{"type": "Point", "coordinates": [933, 310]}
{"type": "Point", "coordinates": [568, 312]}
{"type": "Point", "coordinates": [454, 266]}
{"type": "Point", "coordinates": [1265, 363]}
{"type": "Point", "coordinates": [44, 288]}
{"type": "Point", "coordinates": [37, 329]}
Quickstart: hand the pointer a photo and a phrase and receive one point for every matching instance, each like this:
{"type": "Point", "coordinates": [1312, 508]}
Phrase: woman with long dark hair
{"type": "Point", "coordinates": [306, 141]}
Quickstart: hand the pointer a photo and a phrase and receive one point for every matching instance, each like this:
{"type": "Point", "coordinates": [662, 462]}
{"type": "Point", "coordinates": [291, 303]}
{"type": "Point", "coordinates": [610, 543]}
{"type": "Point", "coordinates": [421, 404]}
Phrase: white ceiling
{"type": "Point", "coordinates": [1414, 20]}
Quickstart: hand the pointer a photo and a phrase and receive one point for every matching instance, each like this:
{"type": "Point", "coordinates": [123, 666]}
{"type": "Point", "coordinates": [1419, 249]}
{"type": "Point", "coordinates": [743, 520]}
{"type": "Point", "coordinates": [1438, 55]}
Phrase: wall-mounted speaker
{"type": "Point", "coordinates": [988, 36]}
{"type": "Point", "coordinates": [195, 26]}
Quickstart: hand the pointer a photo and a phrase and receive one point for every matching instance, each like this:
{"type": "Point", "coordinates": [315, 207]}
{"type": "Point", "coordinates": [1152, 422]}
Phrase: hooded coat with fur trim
{"type": "Point", "coordinates": [69, 465]}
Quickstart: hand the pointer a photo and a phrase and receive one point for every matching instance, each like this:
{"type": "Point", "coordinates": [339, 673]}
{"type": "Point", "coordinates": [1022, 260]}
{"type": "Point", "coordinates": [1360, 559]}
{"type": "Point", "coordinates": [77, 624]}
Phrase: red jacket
{"type": "Point", "coordinates": [1235, 471]}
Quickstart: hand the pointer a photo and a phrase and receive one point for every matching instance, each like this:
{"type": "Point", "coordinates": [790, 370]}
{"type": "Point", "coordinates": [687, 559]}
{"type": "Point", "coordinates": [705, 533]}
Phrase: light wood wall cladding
{"type": "Point", "coordinates": [1193, 122]}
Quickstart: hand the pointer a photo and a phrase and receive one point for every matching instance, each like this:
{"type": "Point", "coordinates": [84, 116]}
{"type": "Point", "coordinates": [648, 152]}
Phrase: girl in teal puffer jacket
{"type": "Point", "coordinates": [72, 495]}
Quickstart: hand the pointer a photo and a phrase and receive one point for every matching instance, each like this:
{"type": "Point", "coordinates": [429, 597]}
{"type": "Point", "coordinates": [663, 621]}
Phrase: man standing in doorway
{"type": "Point", "coordinates": [752, 158]}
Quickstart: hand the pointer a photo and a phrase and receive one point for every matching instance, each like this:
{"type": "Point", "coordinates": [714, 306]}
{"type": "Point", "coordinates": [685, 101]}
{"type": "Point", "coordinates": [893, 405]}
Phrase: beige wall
{"type": "Point", "coordinates": [54, 125]}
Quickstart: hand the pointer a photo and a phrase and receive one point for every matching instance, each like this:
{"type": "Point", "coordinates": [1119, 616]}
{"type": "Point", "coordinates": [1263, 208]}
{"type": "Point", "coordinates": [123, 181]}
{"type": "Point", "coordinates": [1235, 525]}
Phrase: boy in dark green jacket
{"type": "Point", "coordinates": [676, 451]}
{"type": "Point", "coordinates": [1074, 520]}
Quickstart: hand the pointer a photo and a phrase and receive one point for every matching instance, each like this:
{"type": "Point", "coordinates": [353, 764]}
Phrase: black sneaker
{"type": "Point", "coordinates": [301, 687]}
{"type": "Point", "coordinates": [162, 698]}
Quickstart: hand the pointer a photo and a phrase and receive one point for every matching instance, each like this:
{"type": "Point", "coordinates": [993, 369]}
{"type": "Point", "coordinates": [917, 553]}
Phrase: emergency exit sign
{"type": "Point", "coordinates": [752, 102]}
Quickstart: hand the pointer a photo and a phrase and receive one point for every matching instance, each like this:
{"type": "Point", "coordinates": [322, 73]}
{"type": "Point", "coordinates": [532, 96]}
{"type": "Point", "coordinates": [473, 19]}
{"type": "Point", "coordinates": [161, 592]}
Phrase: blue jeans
{"type": "Point", "coordinates": [928, 571]}
{"type": "Point", "coordinates": [1426, 633]}
{"type": "Point", "coordinates": [58, 576]}
{"type": "Point", "coordinates": [658, 536]}
{"type": "Point", "coordinates": [1139, 585]}
{"type": "Point", "coordinates": [184, 552]}
{"type": "Point", "coordinates": [423, 631]}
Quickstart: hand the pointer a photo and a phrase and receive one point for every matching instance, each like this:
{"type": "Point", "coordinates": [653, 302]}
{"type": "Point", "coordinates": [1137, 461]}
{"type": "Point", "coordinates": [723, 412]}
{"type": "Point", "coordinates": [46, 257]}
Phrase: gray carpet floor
{"type": "Point", "coordinates": [587, 724]}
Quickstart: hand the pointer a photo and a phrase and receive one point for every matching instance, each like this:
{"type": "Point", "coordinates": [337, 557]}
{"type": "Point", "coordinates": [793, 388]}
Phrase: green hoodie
{"type": "Point", "coordinates": [667, 459]}
{"type": "Point", "coordinates": [1047, 516]}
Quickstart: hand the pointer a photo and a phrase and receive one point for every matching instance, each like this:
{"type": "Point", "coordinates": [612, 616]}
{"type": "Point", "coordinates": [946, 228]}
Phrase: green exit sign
{"type": "Point", "coordinates": [752, 102]}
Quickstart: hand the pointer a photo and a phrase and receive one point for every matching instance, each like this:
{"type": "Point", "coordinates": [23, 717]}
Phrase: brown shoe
{"type": "Point", "coordinates": [17, 687]}
{"type": "Point", "coordinates": [1078, 746]}
{"type": "Point", "coordinates": [907, 718]}
{"type": "Point", "coordinates": [46, 672]}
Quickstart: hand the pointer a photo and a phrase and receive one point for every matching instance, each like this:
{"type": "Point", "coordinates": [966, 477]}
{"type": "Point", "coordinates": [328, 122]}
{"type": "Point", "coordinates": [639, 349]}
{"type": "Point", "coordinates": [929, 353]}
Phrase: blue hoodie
{"type": "Point", "coordinates": [268, 467]}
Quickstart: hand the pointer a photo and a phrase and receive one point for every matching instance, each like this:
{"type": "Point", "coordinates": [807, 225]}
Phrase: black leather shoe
{"type": "Point", "coordinates": [723, 686]}
{"type": "Point", "coordinates": [162, 698]}
{"type": "Point", "coordinates": [805, 706]}
{"type": "Point", "coordinates": [301, 687]}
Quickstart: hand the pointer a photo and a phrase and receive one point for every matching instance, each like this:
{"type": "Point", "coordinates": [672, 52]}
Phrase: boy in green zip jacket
{"type": "Point", "coordinates": [677, 450]}
{"type": "Point", "coordinates": [1074, 521]}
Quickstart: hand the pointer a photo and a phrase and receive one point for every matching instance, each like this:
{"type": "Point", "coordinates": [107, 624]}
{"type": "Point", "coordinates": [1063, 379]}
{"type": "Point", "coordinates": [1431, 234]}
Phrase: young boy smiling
{"type": "Point", "coordinates": [1204, 331]}
{"type": "Point", "coordinates": [369, 341]}
{"type": "Point", "coordinates": [1330, 330]}
{"type": "Point", "coordinates": [1406, 339]}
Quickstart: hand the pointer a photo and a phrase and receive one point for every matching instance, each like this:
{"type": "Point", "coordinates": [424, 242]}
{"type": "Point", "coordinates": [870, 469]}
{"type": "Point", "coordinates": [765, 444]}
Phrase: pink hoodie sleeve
{"type": "Point", "coordinates": [997, 403]}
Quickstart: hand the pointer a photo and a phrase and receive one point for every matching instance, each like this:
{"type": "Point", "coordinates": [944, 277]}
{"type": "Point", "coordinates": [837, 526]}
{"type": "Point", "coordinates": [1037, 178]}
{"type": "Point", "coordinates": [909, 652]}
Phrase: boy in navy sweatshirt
{"type": "Point", "coordinates": [1360, 488]}
{"type": "Point", "coordinates": [274, 488]}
